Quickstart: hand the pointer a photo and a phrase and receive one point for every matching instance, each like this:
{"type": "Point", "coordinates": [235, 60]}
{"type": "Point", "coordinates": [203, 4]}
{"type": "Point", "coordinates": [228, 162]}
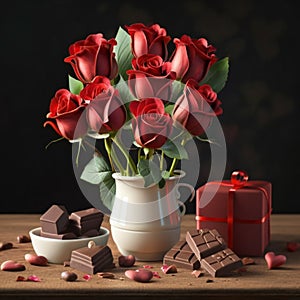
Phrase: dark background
{"type": "Point", "coordinates": [260, 100]}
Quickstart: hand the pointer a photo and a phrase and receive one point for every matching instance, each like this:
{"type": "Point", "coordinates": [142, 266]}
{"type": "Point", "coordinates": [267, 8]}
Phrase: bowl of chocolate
{"type": "Point", "coordinates": [60, 232]}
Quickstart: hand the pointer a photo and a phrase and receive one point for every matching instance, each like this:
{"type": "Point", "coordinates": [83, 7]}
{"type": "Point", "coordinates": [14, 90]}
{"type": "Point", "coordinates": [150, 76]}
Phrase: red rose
{"type": "Point", "coordinates": [148, 40]}
{"type": "Point", "coordinates": [99, 85]}
{"type": "Point", "coordinates": [151, 125]}
{"type": "Point", "coordinates": [192, 58]}
{"type": "Point", "coordinates": [93, 56]}
{"type": "Point", "coordinates": [105, 112]}
{"type": "Point", "coordinates": [65, 114]}
{"type": "Point", "coordinates": [196, 107]}
{"type": "Point", "coordinates": [151, 77]}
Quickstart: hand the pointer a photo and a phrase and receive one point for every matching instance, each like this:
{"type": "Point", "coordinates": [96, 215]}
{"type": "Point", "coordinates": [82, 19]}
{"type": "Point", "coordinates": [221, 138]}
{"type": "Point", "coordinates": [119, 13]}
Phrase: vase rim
{"type": "Point", "coordinates": [117, 175]}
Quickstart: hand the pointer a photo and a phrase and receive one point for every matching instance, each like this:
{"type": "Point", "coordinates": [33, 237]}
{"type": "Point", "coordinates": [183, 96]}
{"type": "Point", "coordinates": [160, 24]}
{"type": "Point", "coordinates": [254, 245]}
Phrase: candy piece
{"type": "Point", "coordinates": [37, 260]}
{"type": "Point", "coordinates": [126, 260]}
{"type": "Point", "coordinates": [85, 220]}
{"type": "Point", "coordinates": [11, 265]}
{"type": "Point", "coordinates": [182, 256]}
{"type": "Point", "coordinates": [55, 220]}
{"type": "Point", "coordinates": [68, 276]}
{"type": "Point", "coordinates": [274, 261]}
{"type": "Point", "coordinates": [221, 263]}
{"type": "Point", "coordinates": [140, 275]}
{"type": "Point", "coordinates": [5, 245]}
{"type": "Point", "coordinates": [92, 260]}
{"type": "Point", "coordinates": [205, 242]}
{"type": "Point", "coordinates": [23, 239]}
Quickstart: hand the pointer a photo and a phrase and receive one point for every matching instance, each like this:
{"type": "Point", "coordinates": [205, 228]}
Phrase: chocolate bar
{"type": "Point", "coordinates": [85, 220]}
{"type": "Point", "coordinates": [55, 220]}
{"type": "Point", "coordinates": [182, 256]}
{"type": "Point", "coordinates": [221, 263]}
{"type": "Point", "coordinates": [204, 242]}
{"type": "Point", "coordinates": [92, 260]}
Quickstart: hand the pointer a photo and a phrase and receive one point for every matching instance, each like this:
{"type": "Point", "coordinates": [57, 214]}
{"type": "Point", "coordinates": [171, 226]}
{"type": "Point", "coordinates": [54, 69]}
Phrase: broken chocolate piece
{"type": "Point", "coordinates": [86, 220]}
{"type": "Point", "coordinates": [55, 220]}
{"type": "Point", "coordinates": [92, 260]}
{"type": "Point", "coordinates": [205, 242]}
{"type": "Point", "coordinates": [221, 263]}
{"type": "Point", "coordinates": [182, 256]}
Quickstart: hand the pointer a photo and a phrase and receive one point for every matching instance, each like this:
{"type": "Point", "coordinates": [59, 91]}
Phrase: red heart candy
{"type": "Point", "coordinates": [274, 261]}
{"type": "Point", "coordinates": [10, 265]}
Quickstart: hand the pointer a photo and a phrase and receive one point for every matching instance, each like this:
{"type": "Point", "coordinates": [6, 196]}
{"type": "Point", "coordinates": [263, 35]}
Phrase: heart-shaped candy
{"type": "Point", "coordinates": [11, 265]}
{"type": "Point", "coordinates": [274, 261]}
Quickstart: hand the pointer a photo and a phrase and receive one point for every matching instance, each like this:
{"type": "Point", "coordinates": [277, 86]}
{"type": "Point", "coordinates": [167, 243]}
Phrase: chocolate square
{"type": "Point", "coordinates": [204, 242]}
{"type": "Point", "coordinates": [55, 220]}
{"type": "Point", "coordinates": [182, 256]}
{"type": "Point", "coordinates": [221, 263]}
{"type": "Point", "coordinates": [92, 260]}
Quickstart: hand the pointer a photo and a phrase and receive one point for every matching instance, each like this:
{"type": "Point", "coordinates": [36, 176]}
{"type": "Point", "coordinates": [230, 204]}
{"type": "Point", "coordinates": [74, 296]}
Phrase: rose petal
{"type": "Point", "coordinates": [33, 278]}
{"type": "Point", "coordinates": [87, 277]}
{"type": "Point", "coordinates": [147, 267]}
{"type": "Point", "coordinates": [21, 278]}
{"type": "Point", "coordinates": [155, 274]}
{"type": "Point", "coordinates": [169, 269]}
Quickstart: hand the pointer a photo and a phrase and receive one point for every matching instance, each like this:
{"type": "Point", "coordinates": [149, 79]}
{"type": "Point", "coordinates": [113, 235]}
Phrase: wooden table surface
{"type": "Point", "coordinates": [255, 281]}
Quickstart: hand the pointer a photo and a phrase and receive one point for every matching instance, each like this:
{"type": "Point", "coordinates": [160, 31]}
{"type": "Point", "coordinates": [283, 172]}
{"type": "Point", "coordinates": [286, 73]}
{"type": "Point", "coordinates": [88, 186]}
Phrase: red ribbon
{"type": "Point", "coordinates": [238, 180]}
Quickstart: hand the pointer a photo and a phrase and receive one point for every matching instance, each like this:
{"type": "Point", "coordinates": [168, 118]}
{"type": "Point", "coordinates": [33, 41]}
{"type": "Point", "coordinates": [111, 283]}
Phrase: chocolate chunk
{"type": "Point", "coordinates": [62, 236]}
{"type": "Point", "coordinates": [221, 263]}
{"type": "Point", "coordinates": [55, 220]}
{"type": "Point", "coordinates": [92, 260]}
{"type": "Point", "coordinates": [90, 233]}
{"type": "Point", "coordinates": [205, 242]}
{"type": "Point", "coordinates": [85, 220]}
{"type": "Point", "coordinates": [182, 256]}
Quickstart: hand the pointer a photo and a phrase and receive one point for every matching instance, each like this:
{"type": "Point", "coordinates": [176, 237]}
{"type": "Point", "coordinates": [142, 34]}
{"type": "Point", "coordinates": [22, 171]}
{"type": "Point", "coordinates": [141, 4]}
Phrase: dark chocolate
{"type": "Point", "coordinates": [221, 263]}
{"type": "Point", "coordinates": [85, 220]}
{"type": "Point", "coordinates": [182, 256]}
{"type": "Point", "coordinates": [204, 242]}
{"type": "Point", "coordinates": [92, 260]}
{"type": "Point", "coordinates": [55, 220]}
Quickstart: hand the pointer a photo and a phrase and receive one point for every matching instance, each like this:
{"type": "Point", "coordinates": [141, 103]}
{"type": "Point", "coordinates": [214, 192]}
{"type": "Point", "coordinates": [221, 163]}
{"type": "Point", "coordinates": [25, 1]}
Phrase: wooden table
{"type": "Point", "coordinates": [256, 281]}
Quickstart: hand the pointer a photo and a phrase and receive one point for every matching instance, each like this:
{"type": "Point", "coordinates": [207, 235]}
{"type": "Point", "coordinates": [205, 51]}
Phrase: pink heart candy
{"type": "Point", "coordinates": [274, 261]}
{"type": "Point", "coordinates": [140, 275]}
{"type": "Point", "coordinates": [11, 265]}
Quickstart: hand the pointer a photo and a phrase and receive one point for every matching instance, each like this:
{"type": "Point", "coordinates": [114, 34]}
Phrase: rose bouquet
{"type": "Point", "coordinates": [140, 100]}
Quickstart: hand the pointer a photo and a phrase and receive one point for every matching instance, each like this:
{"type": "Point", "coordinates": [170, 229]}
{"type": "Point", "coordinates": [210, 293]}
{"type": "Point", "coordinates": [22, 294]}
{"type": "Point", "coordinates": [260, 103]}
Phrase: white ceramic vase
{"type": "Point", "coordinates": [145, 221]}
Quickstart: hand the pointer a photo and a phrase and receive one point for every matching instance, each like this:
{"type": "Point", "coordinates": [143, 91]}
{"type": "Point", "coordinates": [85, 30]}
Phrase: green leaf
{"type": "Point", "coordinates": [125, 94]}
{"type": "Point", "coordinates": [107, 191]}
{"type": "Point", "coordinates": [177, 89]}
{"type": "Point", "coordinates": [217, 75]}
{"type": "Point", "coordinates": [169, 108]}
{"type": "Point", "coordinates": [95, 170]}
{"type": "Point", "coordinates": [150, 172]}
{"type": "Point", "coordinates": [123, 52]}
{"type": "Point", "coordinates": [75, 85]}
{"type": "Point", "coordinates": [174, 150]}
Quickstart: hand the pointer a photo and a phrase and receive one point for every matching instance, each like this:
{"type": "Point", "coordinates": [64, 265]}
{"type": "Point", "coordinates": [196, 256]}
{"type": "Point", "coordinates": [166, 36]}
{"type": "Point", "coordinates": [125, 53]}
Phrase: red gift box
{"type": "Point", "coordinates": [239, 210]}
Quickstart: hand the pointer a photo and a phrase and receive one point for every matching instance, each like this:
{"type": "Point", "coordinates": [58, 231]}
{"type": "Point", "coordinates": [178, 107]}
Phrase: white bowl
{"type": "Point", "coordinates": [58, 251]}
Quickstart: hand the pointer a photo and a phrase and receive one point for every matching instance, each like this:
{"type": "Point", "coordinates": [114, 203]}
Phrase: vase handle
{"type": "Point", "coordinates": [180, 203]}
